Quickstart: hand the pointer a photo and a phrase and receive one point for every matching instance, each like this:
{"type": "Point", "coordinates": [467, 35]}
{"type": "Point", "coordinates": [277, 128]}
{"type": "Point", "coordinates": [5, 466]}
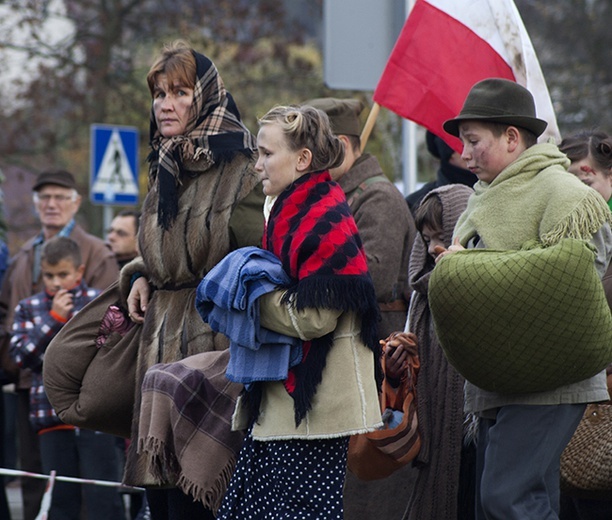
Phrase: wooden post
{"type": "Point", "coordinates": [369, 125]}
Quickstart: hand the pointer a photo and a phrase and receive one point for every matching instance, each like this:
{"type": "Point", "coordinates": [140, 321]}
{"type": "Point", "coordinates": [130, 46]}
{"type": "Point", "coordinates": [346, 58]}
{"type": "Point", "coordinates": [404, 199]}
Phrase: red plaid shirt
{"type": "Point", "coordinates": [33, 329]}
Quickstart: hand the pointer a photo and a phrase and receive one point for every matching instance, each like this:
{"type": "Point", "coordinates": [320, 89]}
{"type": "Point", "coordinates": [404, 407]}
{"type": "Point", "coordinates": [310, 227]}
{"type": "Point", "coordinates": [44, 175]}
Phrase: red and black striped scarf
{"type": "Point", "coordinates": [312, 231]}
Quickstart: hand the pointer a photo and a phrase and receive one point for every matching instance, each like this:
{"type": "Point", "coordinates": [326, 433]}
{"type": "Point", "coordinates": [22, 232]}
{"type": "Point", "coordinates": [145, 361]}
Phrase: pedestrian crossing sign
{"type": "Point", "coordinates": [114, 165]}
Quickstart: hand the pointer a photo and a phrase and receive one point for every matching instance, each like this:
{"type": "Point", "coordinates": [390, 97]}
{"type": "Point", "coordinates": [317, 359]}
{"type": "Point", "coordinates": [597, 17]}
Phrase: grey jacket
{"type": "Point", "coordinates": [387, 230]}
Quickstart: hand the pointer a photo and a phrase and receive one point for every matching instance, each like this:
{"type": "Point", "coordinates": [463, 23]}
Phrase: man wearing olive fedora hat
{"type": "Point", "coordinates": [499, 101]}
{"type": "Point", "coordinates": [524, 193]}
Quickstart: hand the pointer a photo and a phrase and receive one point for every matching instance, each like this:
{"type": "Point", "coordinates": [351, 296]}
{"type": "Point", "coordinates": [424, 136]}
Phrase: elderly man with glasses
{"type": "Point", "coordinates": [56, 201]}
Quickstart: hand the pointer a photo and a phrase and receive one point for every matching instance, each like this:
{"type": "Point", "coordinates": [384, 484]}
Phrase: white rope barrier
{"type": "Point", "coordinates": [59, 478]}
{"type": "Point", "coordinates": [52, 478]}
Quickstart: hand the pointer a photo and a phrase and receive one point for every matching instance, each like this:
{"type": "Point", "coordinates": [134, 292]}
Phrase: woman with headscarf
{"type": "Point", "coordinates": [201, 204]}
{"type": "Point", "coordinates": [204, 200]}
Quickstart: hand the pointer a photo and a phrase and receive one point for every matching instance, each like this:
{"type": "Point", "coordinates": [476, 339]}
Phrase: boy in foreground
{"type": "Point", "coordinates": [69, 451]}
{"type": "Point", "coordinates": [524, 192]}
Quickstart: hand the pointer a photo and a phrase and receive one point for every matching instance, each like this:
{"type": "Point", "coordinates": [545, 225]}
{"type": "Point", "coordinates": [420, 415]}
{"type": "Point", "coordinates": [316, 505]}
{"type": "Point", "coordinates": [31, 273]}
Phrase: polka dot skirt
{"type": "Point", "coordinates": [286, 480]}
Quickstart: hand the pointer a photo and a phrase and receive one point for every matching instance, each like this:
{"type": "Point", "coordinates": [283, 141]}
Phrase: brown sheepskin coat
{"type": "Point", "coordinates": [219, 210]}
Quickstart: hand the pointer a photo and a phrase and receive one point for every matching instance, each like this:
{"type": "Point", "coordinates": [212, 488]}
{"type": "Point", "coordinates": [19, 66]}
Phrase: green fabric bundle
{"type": "Point", "coordinates": [522, 321]}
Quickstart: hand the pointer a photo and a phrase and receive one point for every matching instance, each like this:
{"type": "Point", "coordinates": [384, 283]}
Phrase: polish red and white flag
{"type": "Point", "coordinates": [445, 47]}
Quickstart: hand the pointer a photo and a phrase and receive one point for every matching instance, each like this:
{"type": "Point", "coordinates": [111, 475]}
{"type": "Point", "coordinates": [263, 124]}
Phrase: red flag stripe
{"type": "Point", "coordinates": [438, 58]}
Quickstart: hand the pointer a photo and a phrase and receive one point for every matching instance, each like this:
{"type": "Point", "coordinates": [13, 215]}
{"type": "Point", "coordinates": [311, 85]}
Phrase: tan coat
{"type": "Point", "coordinates": [346, 401]}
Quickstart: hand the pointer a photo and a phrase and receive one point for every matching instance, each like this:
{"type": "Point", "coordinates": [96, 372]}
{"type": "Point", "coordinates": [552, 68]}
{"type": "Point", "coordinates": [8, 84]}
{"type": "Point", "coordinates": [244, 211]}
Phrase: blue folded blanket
{"type": "Point", "coordinates": [227, 300]}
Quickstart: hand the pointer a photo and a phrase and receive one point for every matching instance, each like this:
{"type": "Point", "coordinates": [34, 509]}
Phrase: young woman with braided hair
{"type": "Point", "coordinates": [293, 462]}
{"type": "Point", "coordinates": [590, 153]}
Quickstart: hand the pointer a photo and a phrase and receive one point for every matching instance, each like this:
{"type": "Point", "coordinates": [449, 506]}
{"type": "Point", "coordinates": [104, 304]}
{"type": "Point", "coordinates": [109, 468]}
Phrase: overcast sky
{"type": "Point", "coordinates": [14, 64]}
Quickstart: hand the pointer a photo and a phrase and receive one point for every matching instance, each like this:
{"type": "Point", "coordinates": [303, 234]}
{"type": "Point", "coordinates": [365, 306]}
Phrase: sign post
{"type": "Point", "coordinates": [356, 49]}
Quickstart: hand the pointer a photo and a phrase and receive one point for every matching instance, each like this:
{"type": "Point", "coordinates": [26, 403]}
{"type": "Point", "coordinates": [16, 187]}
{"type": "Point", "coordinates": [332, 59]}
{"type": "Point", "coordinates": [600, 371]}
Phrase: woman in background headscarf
{"type": "Point", "coordinates": [452, 170]}
{"type": "Point", "coordinates": [590, 153]}
{"type": "Point", "coordinates": [444, 487]}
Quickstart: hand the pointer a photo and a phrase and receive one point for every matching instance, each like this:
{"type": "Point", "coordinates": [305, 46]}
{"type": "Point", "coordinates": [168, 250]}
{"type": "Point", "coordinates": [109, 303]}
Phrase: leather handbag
{"type": "Point", "coordinates": [586, 462]}
{"type": "Point", "coordinates": [377, 454]}
{"type": "Point", "coordinates": [89, 371]}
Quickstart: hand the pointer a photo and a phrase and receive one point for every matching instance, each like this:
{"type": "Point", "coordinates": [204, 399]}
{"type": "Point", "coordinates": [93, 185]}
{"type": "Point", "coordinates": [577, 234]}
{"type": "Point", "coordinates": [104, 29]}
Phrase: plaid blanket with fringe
{"type": "Point", "coordinates": [185, 425]}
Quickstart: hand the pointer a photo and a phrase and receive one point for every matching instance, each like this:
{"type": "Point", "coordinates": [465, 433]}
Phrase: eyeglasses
{"type": "Point", "coordinates": [118, 232]}
{"type": "Point", "coordinates": [45, 198]}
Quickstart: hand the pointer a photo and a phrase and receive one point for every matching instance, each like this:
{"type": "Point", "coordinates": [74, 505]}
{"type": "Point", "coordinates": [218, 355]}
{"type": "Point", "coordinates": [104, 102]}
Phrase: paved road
{"type": "Point", "coordinates": [13, 494]}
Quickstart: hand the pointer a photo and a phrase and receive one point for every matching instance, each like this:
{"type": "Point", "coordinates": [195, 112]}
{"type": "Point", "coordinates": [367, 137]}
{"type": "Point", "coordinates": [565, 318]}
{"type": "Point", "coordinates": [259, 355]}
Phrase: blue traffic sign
{"type": "Point", "coordinates": [114, 165]}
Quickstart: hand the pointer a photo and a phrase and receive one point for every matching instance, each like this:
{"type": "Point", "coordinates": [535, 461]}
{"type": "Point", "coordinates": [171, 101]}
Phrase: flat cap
{"type": "Point", "coordinates": [343, 114]}
{"type": "Point", "coordinates": [57, 178]}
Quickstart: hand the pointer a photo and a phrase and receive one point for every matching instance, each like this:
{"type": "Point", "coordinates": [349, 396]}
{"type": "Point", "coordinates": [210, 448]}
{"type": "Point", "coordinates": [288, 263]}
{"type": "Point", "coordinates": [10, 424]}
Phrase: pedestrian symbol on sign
{"type": "Point", "coordinates": [114, 179]}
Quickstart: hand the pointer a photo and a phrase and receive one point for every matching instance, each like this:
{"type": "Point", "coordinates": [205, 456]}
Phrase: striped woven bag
{"type": "Point", "coordinates": [378, 454]}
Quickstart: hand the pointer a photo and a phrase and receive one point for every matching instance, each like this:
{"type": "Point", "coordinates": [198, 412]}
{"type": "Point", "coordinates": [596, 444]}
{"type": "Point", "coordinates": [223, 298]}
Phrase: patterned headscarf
{"type": "Point", "coordinates": [214, 133]}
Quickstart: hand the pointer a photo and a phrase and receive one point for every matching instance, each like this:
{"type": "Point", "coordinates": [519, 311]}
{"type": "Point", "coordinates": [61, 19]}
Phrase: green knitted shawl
{"type": "Point", "coordinates": [534, 198]}
{"type": "Point", "coordinates": [528, 313]}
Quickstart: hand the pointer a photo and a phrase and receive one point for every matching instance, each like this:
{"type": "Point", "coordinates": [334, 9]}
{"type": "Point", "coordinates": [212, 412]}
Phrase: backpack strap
{"type": "Point", "coordinates": [354, 195]}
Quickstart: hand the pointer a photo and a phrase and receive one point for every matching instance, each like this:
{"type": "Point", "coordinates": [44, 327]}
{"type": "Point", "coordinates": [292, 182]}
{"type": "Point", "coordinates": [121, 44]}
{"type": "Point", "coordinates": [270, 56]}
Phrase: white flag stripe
{"type": "Point", "coordinates": [477, 15]}
{"type": "Point", "coordinates": [499, 23]}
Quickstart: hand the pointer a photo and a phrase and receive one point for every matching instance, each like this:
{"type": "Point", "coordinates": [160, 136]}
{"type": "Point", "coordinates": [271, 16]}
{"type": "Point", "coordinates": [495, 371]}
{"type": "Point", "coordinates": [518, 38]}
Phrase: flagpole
{"type": "Point", "coordinates": [409, 156]}
{"type": "Point", "coordinates": [369, 125]}
{"type": "Point", "coordinates": [409, 148]}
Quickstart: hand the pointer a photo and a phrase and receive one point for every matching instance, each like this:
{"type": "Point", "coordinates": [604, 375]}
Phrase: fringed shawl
{"type": "Point", "coordinates": [312, 231]}
{"type": "Point", "coordinates": [185, 429]}
{"type": "Point", "coordinates": [533, 198]}
{"type": "Point", "coordinates": [214, 133]}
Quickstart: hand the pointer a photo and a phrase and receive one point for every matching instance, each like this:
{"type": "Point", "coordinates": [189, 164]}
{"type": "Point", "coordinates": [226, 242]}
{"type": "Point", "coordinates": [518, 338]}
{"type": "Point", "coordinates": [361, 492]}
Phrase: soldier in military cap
{"type": "Point", "coordinates": [384, 221]}
{"type": "Point", "coordinates": [387, 230]}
